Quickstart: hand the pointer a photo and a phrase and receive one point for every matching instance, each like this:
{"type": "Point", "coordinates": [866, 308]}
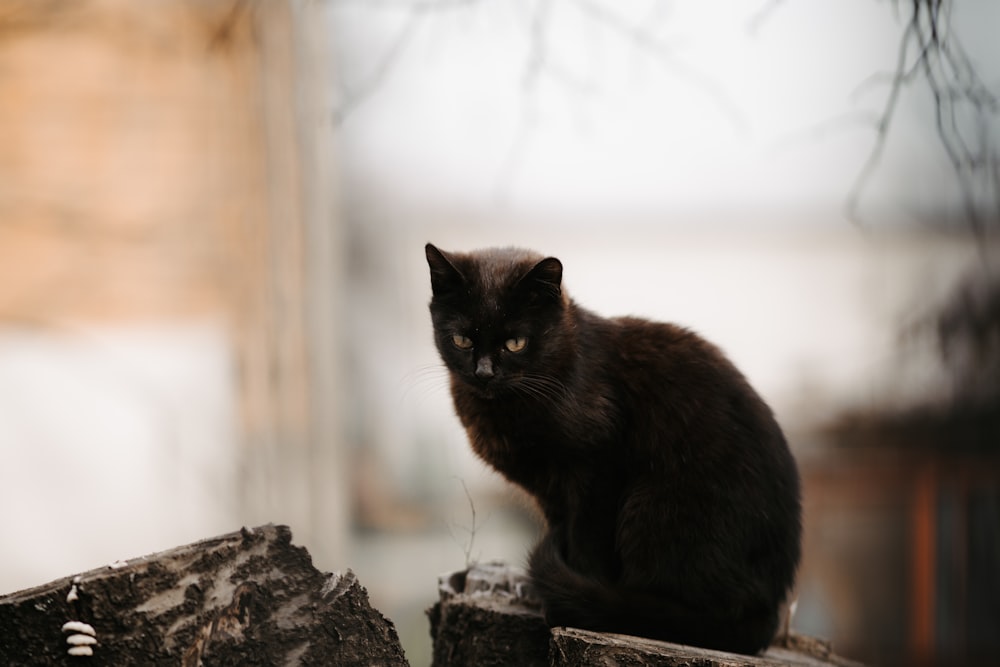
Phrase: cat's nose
{"type": "Point", "coordinates": [484, 368]}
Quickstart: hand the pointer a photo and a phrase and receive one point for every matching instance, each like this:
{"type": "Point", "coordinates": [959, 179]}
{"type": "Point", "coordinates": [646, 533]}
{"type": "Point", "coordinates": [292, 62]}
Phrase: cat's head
{"type": "Point", "coordinates": [498, 318]}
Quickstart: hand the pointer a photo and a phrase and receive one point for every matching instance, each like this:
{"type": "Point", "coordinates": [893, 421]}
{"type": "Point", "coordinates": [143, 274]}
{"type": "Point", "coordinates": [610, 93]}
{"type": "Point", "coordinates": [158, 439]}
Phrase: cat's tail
{"type": "Point", "coordinates": [572, 599]}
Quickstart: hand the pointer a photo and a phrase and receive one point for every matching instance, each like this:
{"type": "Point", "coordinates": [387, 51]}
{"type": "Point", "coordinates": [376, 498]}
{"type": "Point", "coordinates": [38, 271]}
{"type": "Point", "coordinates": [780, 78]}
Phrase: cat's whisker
{"type": "Point", "coordinates": [430, 378]}
{"type": "Point", "coordinates": [527, 389]}
{"type": "Point", "coordinates": [536, 389]}
{"type": "Point", "coordinates": [540, 386]}
{"type": "Point", "coordinates": [535, 393]}
{"type": "Point", "coordinates": [421, 372]}
{"type": "Point", "coordinates": [546, 389]}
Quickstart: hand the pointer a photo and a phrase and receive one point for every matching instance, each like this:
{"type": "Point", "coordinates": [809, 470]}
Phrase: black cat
{"type": "Point", "coordinates": [671, 498]}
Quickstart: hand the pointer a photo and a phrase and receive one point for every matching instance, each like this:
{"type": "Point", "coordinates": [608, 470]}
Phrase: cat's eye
{"type": "Point", "coordinates": [462, 342]}
{"type": "Point", "coordinates": [516, 344]}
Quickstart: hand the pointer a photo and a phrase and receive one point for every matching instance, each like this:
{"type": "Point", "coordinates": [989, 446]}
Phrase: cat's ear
{"type": "Point", "coordinates": [545, 278]}
{"type": "Point", "coordinates": [444, 276]}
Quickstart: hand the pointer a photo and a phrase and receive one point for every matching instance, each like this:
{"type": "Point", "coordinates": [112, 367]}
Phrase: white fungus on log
{"type": "Point", "coordinates": [77, 626]}
{"type": "Point", "coordinates": [82, 639]}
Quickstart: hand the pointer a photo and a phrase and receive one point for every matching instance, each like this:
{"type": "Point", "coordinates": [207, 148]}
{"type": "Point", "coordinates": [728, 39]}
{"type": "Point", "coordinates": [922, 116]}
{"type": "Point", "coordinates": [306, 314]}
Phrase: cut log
{"type": "Point", "coordinates": [573, 648]}
{"type": "Point", "coordinates": [247, 598]}
{"type": "Point", "coordinates": [488, 615]}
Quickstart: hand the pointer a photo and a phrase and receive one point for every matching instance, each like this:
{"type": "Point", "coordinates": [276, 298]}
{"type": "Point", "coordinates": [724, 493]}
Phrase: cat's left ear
{"type": "Point", "coordinates": [545, 277]}
{"type": "Point", "coordinates": [444, 276]}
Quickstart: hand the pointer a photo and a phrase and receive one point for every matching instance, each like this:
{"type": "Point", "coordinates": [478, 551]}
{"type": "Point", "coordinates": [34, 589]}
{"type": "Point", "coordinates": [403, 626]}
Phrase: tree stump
{"type": "Point", "coordinates": [488, 615]}
{"type": "Point", "coordinates": [246, 598]}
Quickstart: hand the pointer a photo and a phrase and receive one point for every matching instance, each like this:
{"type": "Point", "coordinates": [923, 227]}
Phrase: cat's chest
{"type": "Point", "coordinates": [526, 430]}
{"type": "Point", "coordinates": [541, 452]}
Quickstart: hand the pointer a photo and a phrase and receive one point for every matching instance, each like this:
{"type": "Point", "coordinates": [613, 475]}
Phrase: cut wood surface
{"type": "Point", "coordinates": [488, 615]}
{"type": "Point", "coordinates": [246, 598]}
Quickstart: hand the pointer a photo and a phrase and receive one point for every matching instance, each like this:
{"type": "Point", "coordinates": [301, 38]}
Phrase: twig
{"type": "Point", "coordinates": [469, 561]}
{"type": "Point", "coordinates": [755, 22]}
{"type": "Point", "coordinates": [648, 42]}
{"type": "Point", "coordinates": [951, 78]}
{"type": "Point", "coordinates": [416, 9]}
{"type": "Point", "coordinates": [362, 93]}
{"type": "Point", "coordinates": [817, 131]}
{"type": "Point", "coordinates": [882, 126]}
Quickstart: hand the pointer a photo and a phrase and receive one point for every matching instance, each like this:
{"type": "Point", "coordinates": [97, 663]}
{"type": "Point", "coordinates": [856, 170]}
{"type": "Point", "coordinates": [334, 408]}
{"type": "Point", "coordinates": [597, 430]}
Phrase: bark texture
{"type": "Point", "coordinates": [246, 598]}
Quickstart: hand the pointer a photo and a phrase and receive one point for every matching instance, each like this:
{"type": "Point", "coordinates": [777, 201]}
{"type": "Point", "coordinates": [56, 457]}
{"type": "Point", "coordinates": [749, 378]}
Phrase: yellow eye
{"type": "Point", "coordinates": [516, 344]}
{"type": "Point", "coordinates": [462, 342]}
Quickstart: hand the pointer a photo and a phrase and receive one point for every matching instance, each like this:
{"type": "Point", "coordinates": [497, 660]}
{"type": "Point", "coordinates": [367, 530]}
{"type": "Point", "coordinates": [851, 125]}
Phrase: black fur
{"type": "Point", "coordinates": [671, 498]}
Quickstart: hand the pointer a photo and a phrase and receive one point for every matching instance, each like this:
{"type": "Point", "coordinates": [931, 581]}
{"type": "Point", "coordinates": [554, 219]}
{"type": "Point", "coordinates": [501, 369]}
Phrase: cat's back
{"type": "Point", "coordinates": [665, 353]}
{"type": "Point", "coordinates": [675, 386]}
{"type": "Point", "coordinates": [689, 413]}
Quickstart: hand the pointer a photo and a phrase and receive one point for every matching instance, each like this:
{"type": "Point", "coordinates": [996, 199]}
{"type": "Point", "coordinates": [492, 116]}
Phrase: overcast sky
{"type": "Point", "coordinates": [591, 105]}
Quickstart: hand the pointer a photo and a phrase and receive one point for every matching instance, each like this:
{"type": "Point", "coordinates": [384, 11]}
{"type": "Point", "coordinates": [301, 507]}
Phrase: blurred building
{"type": "Point", "coordinates": [904, 501]}
{"type": "Point", "coordinates": [169, 281]}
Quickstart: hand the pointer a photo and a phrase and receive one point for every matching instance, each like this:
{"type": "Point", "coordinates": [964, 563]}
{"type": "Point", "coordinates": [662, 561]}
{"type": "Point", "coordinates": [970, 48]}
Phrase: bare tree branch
{"type": "Point", "coordinates": [882, 126]}
{"type": "Point", "coordinates": [649, 43]}
{"type": "Point", "coordinates": [355, 98]}
{"type": "Point", "coordinates": [757, 20]}
{"type": "Point", "coordinates": [538, 60]}
{"type": "Point", "coordinates": [960, 98]}
{"type": "Point", "coordinates": [862, 118]}
{"type": "Point", "coordinates": [416, 9]}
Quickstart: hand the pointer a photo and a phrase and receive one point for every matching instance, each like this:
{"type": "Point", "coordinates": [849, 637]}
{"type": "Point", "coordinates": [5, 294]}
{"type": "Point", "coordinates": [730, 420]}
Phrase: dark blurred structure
{"type": "Point", "coordinates": [904, 503]}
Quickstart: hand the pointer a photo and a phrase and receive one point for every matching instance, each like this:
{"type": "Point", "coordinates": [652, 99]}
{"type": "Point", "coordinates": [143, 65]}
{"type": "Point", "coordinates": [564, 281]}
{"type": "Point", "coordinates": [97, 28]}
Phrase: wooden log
{"type": "Point", "coordinates": [246, 598]}
{"type": "Point", "coordinates": [488, 615]}
{"type": "Point", "coordinates": [580, 648]}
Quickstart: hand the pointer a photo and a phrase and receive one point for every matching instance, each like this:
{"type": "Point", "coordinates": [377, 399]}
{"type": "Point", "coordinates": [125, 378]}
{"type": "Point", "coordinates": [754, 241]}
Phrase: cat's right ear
{"type": "Point", "coordinates": [545, 278]}
{"type": "Point", "coordinates": [445, 278]}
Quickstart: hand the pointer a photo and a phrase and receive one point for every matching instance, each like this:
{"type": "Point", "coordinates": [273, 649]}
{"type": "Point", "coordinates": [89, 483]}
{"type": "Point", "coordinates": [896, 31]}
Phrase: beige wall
{"type": "Point", "coordinates": [132, 159]}
{"type": "Point", "coordinates": [155, 168]}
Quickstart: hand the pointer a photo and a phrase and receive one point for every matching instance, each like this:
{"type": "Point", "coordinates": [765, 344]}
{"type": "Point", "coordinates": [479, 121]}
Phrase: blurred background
{"type": "Point", "coordinates": [213, 292]}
